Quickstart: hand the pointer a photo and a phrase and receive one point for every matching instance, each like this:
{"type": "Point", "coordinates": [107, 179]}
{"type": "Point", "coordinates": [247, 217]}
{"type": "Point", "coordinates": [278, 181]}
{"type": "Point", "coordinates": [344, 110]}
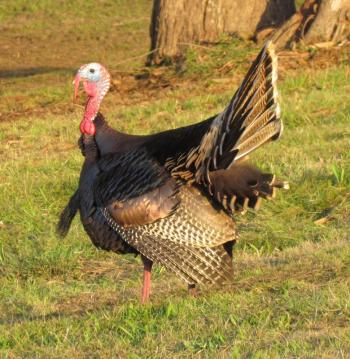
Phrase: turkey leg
{"type": "Point", "coordinates": [146, 289]}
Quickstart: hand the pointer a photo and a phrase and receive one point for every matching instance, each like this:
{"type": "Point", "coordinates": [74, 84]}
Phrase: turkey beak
{"type": "Point", "coordinates": [76, 83]}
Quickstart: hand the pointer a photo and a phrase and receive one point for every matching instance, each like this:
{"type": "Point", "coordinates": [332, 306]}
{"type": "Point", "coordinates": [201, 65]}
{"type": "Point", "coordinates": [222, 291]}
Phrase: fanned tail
{"type": "Point", "coordinates": [251, 119]}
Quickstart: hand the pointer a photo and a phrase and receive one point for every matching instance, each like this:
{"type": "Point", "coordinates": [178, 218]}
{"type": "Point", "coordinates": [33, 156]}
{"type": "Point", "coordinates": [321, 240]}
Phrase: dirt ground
{"type": "Point", "coordinates": [41, 48]}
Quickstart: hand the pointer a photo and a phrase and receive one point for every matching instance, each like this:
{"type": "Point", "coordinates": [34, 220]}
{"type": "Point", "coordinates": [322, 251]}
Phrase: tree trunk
{"type": "Point", "coordinates": [331, 23]}
{"type": "Point", "coordinates": [317, 21]}
{"type": "Point", "coordinates": [176, 23]}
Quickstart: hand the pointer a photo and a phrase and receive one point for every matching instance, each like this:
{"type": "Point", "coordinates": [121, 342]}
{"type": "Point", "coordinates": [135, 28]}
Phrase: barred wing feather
{"type": "Point", "coordinates": [172, 224]}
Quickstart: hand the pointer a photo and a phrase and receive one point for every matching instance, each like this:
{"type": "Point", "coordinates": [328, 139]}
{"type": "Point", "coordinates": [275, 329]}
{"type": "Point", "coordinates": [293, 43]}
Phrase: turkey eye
{"type": "Point", "coordinates": [92, 70]}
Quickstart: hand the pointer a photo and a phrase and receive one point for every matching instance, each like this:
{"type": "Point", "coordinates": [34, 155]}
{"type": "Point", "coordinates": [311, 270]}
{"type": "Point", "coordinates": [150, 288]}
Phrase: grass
{"type": "Point", "coordinates": [290, 294]}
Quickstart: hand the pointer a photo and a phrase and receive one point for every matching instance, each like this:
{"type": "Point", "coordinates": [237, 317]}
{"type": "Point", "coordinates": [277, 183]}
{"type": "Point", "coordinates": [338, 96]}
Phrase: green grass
{"type": "Point", "coordinates": [64, 298]}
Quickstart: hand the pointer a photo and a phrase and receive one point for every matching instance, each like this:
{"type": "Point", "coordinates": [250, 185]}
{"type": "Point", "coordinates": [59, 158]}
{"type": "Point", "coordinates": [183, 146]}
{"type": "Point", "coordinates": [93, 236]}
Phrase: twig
{"type": "Point", "coordinates": [131, 21]}
{"type": "Point", "coordinates": [136, 57]}
{"type": "Point", "coordinates": [194, 45]}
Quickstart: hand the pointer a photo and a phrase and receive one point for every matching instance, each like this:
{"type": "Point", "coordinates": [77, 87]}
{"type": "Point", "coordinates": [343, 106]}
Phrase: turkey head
{"type": "Point", "coordinates": [96, 81]}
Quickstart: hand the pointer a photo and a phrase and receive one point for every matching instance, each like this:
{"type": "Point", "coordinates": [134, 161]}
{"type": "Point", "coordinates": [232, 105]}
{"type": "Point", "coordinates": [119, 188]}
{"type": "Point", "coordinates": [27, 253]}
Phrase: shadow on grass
{"type": "Point", "coordinates": [13, 73]}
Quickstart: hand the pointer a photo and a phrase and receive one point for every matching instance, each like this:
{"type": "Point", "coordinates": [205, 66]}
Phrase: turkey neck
{"type": "Point", "coordinates": [91, 108]}
{"type": "Point", "coordinates": [106, 137]}
{"type": "Point", "coordinates": [90, 148]}
{"type": "Point", "coordinates": [101, 124]}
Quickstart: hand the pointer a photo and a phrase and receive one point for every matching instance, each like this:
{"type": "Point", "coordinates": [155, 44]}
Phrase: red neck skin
{"type": "Point", "coordinates": [87, 124]}
{"type": "Point", "coordinates": [92, 106]}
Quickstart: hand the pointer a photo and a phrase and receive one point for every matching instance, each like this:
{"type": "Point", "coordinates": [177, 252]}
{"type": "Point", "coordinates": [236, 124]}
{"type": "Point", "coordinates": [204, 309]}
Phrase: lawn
{"type": "Point", "coordinates": [64, 298]}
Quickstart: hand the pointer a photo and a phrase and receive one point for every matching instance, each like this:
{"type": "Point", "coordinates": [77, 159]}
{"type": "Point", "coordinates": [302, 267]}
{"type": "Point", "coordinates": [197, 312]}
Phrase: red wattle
{"type": "Point", "coordinates": [87, 127]}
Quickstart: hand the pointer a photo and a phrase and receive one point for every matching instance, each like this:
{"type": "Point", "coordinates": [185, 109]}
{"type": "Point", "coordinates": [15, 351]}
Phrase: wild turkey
{"type": "Point", "coordinates": [171, 196]}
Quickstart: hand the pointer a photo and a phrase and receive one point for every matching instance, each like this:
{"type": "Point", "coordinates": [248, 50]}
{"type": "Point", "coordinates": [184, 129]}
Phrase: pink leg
{"type": "Point", "coordinates": [146, 289]}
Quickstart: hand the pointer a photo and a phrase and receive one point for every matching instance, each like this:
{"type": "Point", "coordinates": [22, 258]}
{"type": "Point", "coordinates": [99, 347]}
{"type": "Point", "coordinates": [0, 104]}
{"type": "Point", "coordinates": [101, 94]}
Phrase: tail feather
{"type": "Point", "coordinates": [251, 119]}
{"type": "Point", "coordinates": [255, 99]}
{"type": "Point", "coordinates": [68, 215]}
{"type": "Point", "coordinates": [257, 122]}
{"type": "Point", "coordinates": [254, 77]}
{"type": "Point", "coordinates": [258, 139]}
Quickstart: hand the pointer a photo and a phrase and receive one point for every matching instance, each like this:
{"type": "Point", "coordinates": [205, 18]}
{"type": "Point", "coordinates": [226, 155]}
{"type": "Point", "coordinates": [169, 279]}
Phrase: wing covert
{"type": "Point", "coordinates": [135, 189]}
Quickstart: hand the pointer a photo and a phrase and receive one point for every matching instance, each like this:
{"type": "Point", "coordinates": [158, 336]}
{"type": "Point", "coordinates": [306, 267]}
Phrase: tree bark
{"type": "Point", "coordinates": [317, 21]}
{"type": "Point", "coordinates": [332, 22]}
{"type": "Point", "coordinates": [176, 23]}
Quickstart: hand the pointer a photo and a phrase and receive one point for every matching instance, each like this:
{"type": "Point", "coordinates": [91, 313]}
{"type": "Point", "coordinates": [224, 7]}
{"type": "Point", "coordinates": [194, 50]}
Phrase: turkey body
{"type": "Point", "coordinates": [171, 196]}
{"type": "Point", "coordinates": [169, 221]}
